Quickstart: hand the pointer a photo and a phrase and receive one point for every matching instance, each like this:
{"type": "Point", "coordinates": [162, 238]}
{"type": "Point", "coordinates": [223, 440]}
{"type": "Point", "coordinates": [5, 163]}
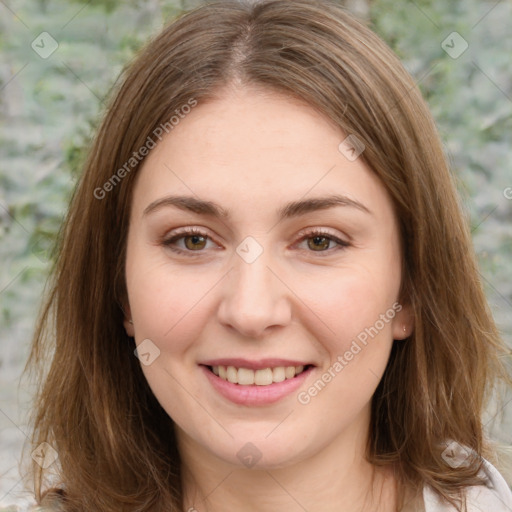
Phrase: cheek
{"type": "Point", "coordinates": [167, 305]}
{"type": "Point", "coordinates": [349, 303]}
{"type": "Point", "coordinates": [159, 310]}
{"type": "Point", "coordinates": [356, 312]}
{"type": "Point", "coordinates": [169, 308]}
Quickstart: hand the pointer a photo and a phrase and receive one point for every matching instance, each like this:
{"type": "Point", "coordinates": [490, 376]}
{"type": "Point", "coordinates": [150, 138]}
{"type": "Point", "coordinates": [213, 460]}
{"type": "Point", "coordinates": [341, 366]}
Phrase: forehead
{"type": "Point", "coordinates": [253, 147]}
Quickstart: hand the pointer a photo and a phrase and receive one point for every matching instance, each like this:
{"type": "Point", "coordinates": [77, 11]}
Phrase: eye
{"type": "Point", "coordinates": [193, 240]}
{"type": "Point", "coordinates": [322, 241]}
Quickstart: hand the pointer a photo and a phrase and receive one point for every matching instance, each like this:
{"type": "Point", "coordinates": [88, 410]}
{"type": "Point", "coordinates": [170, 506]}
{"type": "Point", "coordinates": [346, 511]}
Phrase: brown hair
{"type": "Point", "coordinates": [115, 444]}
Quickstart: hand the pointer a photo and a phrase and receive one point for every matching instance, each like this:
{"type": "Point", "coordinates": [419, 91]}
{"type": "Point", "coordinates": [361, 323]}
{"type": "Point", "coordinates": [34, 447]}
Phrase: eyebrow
{"type": "Point", "coordinates": [293, 209]}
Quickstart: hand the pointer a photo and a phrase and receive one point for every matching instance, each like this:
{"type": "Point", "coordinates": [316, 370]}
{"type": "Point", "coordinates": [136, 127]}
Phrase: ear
{"type": "Point", "coordinates": [127, 322]}
{"type": "Point", "coordinates": [403, 322]}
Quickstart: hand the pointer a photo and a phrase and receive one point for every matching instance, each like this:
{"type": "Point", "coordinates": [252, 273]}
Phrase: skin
{"type": "Point", "coordinates": [252, 152]}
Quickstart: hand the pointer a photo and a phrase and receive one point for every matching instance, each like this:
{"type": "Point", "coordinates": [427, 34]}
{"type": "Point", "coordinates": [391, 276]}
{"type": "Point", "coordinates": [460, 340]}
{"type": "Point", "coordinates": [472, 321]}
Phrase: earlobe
{"type": "Point", "coordinates": [403, 323]}
{"type": "Point", "coordinates": [128, 327]}
{"type": "Point", "coordinates": [128, 322]}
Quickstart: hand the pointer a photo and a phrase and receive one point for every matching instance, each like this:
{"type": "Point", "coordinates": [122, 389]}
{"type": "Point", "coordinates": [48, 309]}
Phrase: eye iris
{"type": "Point", "coordinates": [196, 240]}
{"type": "Point", "coordinates": [322, 240]}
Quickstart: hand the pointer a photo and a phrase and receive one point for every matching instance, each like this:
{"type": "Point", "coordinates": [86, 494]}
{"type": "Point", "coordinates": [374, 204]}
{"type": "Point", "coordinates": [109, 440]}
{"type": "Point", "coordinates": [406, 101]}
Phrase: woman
{"type": "Point", "coordinates": [265, 296]}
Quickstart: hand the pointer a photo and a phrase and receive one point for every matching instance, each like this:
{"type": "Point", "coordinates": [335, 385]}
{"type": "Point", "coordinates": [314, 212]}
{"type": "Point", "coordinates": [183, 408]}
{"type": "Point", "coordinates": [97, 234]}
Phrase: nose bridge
{"type": "Point", "coordinates": [253, 298]}
{"type": "Point", "coordinates": [253, 280]}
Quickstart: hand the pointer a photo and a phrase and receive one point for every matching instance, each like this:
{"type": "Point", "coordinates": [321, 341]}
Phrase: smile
{"type": "Point", "coordinates": [267, 382]}
{"type": "Point", "coordinates": [262, 377]}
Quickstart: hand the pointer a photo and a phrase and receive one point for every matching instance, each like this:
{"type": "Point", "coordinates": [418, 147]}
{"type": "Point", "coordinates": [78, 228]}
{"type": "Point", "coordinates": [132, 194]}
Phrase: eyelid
{"type": "Point", "coordinates": [321, 231]}
{"type": "Point", "coordinates": [187, 230]}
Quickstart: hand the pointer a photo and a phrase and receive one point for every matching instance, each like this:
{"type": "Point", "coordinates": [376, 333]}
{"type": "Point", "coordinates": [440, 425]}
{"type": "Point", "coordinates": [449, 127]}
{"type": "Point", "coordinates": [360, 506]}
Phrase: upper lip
{"type": "Point", "coordinates": [259, 364]}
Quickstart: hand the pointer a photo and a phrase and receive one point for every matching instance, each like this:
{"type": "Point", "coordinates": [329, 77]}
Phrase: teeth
{"type": "Point", "coordinates": [245, 377]}
{"type": "Point", "coordinates": [289, 372]}
{"type": "Point", "coordinates": [279, 374]}
{"type": "Point", "coordinates": [232, 374]}
{"type": "Point", "coordinates": [264, 377]}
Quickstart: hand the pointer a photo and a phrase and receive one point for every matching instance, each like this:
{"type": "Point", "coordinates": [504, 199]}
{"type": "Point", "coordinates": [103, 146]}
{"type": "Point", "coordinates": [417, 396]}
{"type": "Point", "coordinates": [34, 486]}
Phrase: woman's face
{"type": "Point", "coordinates": [265, 331]}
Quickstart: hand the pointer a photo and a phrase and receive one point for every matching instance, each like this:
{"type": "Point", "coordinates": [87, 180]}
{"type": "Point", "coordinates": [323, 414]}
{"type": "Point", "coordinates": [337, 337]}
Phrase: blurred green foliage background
{"type": "Point", "coordinates": [50, 106]}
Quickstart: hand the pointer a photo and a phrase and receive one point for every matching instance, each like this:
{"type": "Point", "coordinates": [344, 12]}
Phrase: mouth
{"type": "Point", "coordinates": [262, 377]}
{"type": "Point", "coordinates": [255, 383]}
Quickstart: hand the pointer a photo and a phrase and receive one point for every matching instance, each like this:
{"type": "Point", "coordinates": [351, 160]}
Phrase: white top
{"type": "Point", "coordinates": [494, 496]}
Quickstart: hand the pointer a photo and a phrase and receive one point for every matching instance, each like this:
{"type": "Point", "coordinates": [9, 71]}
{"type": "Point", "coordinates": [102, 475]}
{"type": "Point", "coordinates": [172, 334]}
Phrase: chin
{"type": "Point", "coordinates": [260, 453]}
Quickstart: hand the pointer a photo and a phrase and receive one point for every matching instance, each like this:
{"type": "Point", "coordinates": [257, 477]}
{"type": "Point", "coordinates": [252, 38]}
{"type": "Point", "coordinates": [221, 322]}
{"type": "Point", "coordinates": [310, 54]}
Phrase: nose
{"type": "Point", "coordinates": [254, 299]}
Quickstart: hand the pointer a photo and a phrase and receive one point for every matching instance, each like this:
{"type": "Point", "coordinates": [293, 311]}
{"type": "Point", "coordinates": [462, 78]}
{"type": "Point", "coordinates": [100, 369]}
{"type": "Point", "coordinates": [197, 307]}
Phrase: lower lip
{"type": "Point", "coordinates": [256, 395]}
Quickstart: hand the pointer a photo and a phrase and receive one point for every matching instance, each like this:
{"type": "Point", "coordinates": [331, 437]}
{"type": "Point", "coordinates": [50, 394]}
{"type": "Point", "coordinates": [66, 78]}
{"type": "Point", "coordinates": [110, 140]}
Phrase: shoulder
{"type": "Point", "coordinates": [495, 495]}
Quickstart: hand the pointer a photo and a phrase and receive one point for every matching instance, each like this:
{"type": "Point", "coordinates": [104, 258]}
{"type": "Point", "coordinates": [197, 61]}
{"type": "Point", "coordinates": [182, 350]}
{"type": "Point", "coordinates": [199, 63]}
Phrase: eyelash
{"type": "Point", "coordinates": [186, 232]}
